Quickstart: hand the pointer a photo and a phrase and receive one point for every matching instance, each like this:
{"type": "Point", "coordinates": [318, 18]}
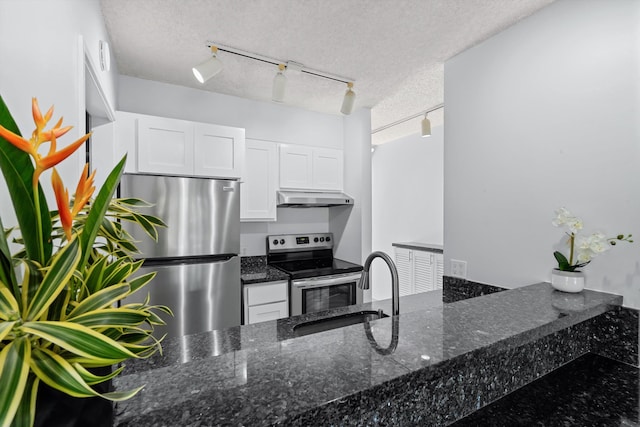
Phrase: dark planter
{"type": "Point", "coordinates": [56, 409]}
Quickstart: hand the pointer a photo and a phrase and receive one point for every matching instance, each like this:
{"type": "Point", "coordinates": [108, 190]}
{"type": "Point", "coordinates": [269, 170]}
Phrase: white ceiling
{"type": "Point", "coordinates": [394, 49]}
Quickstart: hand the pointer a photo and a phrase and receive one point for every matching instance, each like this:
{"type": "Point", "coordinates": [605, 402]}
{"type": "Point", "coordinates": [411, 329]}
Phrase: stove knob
{"type": "Point", "coordinates": [328, 239]}
{"type": "Point", "coordinates": [322, 239]}
{"type": "Point", "coordinates": [315, 239]}
{"type": "Point", "coordinates": [275, 241]}
{"type": "Point", "coordinates": [282, 241]}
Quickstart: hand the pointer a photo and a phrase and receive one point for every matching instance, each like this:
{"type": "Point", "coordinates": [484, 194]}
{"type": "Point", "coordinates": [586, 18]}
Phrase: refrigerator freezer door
{"type": "Point", "coordinates": [202, 215]}
{"type": "Point", "coordinates": [203, 296]}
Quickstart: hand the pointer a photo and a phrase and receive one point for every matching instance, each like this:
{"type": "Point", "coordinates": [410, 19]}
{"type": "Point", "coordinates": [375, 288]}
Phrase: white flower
{"type": "Point", "coordinates": [564, 217]}
{"type": "Point", "coordinates": [584, 256]}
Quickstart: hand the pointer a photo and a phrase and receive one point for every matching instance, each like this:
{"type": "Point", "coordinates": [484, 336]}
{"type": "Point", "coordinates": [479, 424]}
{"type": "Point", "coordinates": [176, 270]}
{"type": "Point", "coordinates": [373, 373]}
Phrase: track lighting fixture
{"type": "Point", "coordinates": [426, 126]}
{"type": "Point", "coordinates": [208, 68]}
{"type": "Point", "coordinates": [279, 84]}
{"type": "Point", "coordinates": [349, 99]}
{"type": "Point", "coordinates": [213, 66]}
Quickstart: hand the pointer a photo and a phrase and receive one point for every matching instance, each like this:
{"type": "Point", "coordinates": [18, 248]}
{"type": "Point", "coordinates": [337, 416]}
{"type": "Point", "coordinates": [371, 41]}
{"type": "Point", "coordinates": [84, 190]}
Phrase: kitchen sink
{"type": "Point", "coordinates": [339, 321]}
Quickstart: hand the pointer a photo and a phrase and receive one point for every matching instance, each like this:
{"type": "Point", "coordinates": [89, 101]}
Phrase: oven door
{"type": "Point", "coordinates": [324, 292]}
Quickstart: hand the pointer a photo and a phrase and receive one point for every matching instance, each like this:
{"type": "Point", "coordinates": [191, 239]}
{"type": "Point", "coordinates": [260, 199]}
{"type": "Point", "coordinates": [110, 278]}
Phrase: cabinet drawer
{"type": "Point", "coordinates": [262, 313]}
{"type": "Point", "coordinates": [266, 293]}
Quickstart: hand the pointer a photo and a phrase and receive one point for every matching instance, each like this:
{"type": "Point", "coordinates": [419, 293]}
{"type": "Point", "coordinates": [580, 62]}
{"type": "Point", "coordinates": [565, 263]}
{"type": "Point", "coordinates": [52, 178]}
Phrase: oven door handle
{"type": "Point", "coordinates": [315, 282]}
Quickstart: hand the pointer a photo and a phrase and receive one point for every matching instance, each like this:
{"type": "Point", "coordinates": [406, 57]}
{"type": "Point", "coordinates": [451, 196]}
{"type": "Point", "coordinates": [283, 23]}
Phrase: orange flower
{"type": "Point", "coordinates": [62, 200]}
{"type": "Point", "coordinates": [39, 136]}
{"type": "Point", "coordinates": [84, 191]}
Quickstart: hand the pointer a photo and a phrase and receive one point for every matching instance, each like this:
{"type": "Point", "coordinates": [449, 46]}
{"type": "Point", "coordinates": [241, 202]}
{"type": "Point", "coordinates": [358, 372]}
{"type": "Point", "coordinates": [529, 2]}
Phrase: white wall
{"type": "Point", "coordinates": [43, 58]}
{"type": "Point", "coordinates": [543, 115]}
{"type": "Point", "coordinates": [407, 182]}
{"type": "Point", "coordinates": [278, 123]}
{"type": "Point", "coordinates": [351, 226]}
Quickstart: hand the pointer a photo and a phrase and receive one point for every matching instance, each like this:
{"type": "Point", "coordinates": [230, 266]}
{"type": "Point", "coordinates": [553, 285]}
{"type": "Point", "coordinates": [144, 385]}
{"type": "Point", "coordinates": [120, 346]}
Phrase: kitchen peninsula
{"type": "Point", "coordinates": [432, 365]}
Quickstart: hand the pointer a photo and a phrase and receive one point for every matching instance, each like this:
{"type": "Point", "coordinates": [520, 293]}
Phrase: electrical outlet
{"type": "Point", "coordinates": [459, 268]}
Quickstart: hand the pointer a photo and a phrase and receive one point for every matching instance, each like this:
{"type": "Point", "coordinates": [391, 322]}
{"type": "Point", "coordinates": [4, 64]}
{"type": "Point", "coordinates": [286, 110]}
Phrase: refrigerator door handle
{"type": "Point", "coordinates": [228, 189]}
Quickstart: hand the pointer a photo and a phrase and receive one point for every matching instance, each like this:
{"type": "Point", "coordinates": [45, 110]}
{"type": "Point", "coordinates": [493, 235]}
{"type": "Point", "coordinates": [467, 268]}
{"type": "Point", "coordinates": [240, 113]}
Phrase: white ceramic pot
{"type": "Point", "coordinates": [567, 281]}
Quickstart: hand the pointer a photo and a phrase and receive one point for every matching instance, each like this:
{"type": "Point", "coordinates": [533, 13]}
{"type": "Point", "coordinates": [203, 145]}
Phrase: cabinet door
{"type": "Point", "coordinates": [405, 272]}
{"type": "Point", "coordinates": [423, 263]}
{"type": "Point", "coordinates": [165, 146]}
{"type": "Point", "coordinates": [259, 176]}
{"type": "Point", "coordinates": [296, 164]}
{"type": "Point", "coordinates": [262, 313]}
{"type": "Point", "coordinates": [438, 270]}
{"type": "Point", "coordinates": [327, 169]}
{"type": "Point", "coordinates": [218, 151]}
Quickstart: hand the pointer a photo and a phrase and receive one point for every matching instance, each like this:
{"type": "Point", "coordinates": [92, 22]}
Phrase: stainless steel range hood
{"type": "Point", "coordinates": [299, 199]}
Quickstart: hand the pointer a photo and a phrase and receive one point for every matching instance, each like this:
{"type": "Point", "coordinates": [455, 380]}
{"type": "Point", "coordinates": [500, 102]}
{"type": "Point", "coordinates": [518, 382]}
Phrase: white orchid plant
{"type": "Point", "coordinates": [582, 249]}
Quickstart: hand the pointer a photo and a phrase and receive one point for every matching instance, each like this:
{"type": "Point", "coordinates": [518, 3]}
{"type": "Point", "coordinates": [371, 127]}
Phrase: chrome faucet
{"type": "Point", "coordinates": [395, 283]}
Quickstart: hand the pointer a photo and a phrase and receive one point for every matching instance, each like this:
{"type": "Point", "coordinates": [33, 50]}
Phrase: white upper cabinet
{"type": "Point", "coordinates": [165, 146]}
{"type": "Point", "coordinates": [179, 147]}
{"type": "Point", "coordinates": [218, 150]}
{"type": "Point", "coordinates": [310, 168]}
{"type": "Point", "coordinates": [259, 181]}
{"type": "Point", "coordinates": [327, 169]}
{"type": "Point", "coordinates": [296, 166]}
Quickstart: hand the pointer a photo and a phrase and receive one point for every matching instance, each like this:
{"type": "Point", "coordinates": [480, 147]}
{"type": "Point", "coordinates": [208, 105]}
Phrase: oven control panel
{"type": "Point", "coordinates": [280, 242]}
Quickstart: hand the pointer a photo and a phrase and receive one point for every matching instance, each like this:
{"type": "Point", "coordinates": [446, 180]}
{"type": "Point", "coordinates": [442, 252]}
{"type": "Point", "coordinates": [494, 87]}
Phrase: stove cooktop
{"type": "Point", "coordinates": [305, 268]}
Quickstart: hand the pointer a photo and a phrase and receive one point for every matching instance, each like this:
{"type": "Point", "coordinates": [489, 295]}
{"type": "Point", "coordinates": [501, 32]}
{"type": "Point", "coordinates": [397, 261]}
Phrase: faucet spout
{"type": "Point", "coordinates": [395, 282]}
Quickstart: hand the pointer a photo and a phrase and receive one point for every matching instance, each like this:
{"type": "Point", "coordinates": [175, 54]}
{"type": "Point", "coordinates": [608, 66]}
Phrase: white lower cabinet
{"type": "Point", "coordinates": [265, 301]}
{"type": "Point", "coordinates": [418, 270]}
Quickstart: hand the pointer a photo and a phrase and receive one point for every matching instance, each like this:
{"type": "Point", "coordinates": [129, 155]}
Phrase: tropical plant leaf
{"type": "Point", "coordinates": [56, 372]}
{"type": "Point", "coordinates": [26, 414]}
{"type": "Point", "coordinates": [101, 299]}
{"type": "Point", "coordinates": [96, 272]}
{"type": "Point", "coordinates": [79, 340]}
{"type": "Point", "coordinates": [8, 304]}
{"type": "Point", "coordinates": [55, 279]}
{"type": "Point", "coordinates": [17, 169]}
{"type": "Point", "coordinates": [30, 282]}
{"type": "Point", "coordinates": [5, 329]}
{"type": "Point", "coordinates": [141, 281]}
{"type": "Point", "coordinates": [91, 378]}
{"type": "Point", "coordinates": [110, 317]}
{"type": "Point", "coordinates": [98, 209]}
{"type": "Point", "coordinates": [14, 359]}
{"type": "Point", "coordinates": [7, 273]}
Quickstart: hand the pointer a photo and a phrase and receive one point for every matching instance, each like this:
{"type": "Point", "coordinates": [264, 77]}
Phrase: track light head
{"type": "Point", "coordinates": [279, 84]}
{"type": "Point", "coordinates": [208, 68]}
{"type": "Point", "coordinates": [349, 99]}
{"type": "Point", "coordinates": [426, 127]}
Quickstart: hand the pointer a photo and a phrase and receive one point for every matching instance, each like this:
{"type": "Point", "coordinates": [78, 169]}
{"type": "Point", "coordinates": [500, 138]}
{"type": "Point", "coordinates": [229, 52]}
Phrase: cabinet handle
{"type": "Point", "coordinates": [227, 189]}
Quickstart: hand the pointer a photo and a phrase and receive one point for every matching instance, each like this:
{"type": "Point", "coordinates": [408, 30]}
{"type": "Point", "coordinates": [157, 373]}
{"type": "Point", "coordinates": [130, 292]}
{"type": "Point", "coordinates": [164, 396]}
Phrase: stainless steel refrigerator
{"type": "Point", "coordinates": [196, 256]}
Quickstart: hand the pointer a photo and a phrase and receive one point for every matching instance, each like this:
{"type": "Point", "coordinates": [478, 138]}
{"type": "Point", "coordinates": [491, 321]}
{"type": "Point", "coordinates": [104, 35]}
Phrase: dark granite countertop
{"type": "Point", "coordinates": [420, 246]}
{"type": "Point", "coordinates": [255, 270]}
{"type": "Point", "coordinates": [262, 375]}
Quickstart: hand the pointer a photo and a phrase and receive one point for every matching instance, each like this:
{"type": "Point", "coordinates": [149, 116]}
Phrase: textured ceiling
{"type": "Point", "coordinates": [394, 49]}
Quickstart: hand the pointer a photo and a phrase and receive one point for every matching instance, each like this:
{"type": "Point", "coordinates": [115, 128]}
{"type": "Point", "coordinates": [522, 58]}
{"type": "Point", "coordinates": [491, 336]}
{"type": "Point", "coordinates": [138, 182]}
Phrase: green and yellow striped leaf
{"type": "Point", "coordinates": [141, 281]}
{"type": "Point", "coordinates": [101, 299]}
{"type": "Point", "coordinates": [56, 372]}
{"type": "Point", "coordinates": [91, 378]}
{"type": "Point", "coordinates": [14, 361]}
{"type": "Point", "coordinates": [8, 305]}
{"type": "Point", "coordinates": [55, 279]}
{"type": "Point", "coordinates": [79, 340]}
{"type": "Point", "coordinates": [5, 329]}
{"type": "Point", "coordinates": [110, 318]}
{"type": "Point", "coordinates": [26, 414]}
